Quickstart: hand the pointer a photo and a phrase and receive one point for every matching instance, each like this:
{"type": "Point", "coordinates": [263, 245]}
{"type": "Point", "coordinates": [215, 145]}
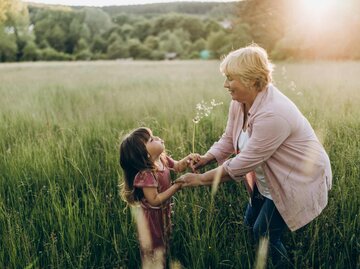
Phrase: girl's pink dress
{"type": "Point", "coordinates": [158, 218]}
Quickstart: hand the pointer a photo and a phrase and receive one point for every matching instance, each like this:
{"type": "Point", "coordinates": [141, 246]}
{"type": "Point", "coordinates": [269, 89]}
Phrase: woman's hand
{"type": "Point", "coordinates": [201, 161]}
{"type": "Point", "coordinates": [192, 159]}
{"type": "Point", "coordinates": [190, 180]}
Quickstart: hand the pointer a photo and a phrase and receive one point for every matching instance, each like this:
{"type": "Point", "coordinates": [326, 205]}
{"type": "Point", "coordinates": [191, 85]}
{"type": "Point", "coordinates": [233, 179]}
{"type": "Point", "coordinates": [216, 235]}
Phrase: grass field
{"type": "Point", "coordinates": [60, 127]}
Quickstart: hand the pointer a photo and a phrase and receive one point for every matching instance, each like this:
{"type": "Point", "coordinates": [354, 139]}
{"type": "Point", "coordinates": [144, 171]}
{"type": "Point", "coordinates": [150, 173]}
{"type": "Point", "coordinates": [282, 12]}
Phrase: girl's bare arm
{"type": "Point", "coordinates": [155, 199]}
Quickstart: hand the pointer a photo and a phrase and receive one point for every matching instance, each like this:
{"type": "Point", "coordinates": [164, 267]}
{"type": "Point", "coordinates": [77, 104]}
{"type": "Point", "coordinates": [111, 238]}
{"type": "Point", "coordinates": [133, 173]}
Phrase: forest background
{"type": "Point", "coordinates": [183, 30]}
{"type": "Point", "coordinates": [61, 124]}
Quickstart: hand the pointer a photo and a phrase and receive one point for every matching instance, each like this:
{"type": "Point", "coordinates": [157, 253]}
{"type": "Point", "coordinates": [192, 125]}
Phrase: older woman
{"type": "Point", "coordinates": [285, 167]}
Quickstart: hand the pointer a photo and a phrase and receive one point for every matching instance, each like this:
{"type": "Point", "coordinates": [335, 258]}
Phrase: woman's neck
{"type": "Point", "coordinates": [247, 107]}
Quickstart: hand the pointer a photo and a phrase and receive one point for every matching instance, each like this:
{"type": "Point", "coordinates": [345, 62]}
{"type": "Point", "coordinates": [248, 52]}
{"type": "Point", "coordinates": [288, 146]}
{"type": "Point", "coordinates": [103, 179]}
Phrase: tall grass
{"type": "Point", "coordinates": [60, 127]}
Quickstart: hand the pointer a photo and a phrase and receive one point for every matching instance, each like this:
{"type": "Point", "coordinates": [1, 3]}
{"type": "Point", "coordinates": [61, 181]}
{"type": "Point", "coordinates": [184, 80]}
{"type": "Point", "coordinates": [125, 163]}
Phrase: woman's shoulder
{"type": "Point", "coordinates": [235, 108]}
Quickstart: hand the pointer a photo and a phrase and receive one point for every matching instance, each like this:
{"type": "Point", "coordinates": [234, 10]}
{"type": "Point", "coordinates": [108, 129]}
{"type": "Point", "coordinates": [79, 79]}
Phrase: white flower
{"type": "Point", "coordinates": [196, 120]}
{"type": "Point", "coordinates": [204, 110]}
{"type": "Point", "coordinates": [292, 86]}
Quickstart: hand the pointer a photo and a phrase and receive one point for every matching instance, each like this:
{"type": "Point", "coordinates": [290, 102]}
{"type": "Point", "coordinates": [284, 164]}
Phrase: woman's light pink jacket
{"type": "Point", "coordinates": [283, 143]}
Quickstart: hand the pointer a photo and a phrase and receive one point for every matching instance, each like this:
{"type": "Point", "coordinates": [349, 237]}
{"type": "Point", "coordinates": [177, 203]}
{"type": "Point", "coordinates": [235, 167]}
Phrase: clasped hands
{"type": "Point", "coordinates": [195, 161]}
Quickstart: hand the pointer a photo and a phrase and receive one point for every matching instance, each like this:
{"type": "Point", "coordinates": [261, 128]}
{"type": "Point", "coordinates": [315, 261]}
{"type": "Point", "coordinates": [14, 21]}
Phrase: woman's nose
{"type": "Point", "coordinates": [226, 83]}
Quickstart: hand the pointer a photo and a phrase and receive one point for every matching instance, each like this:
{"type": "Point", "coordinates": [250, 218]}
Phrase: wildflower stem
{"type": "Point", "coordinates": [193, 138]}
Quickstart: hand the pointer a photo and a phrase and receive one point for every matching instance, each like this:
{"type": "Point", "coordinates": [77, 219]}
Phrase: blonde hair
{"type": "Point", "coordinates": [250, 64]}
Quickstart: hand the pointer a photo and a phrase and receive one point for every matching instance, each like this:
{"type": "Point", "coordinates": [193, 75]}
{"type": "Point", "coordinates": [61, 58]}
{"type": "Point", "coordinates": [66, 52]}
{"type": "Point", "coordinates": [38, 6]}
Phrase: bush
{"type": "Point", "coordinates": [138, 50]}
{"type": "Point", "coordinates": [84, 55]}
{"type": "Point", "coordinates": [49, 54]}
{"type": "Point", "coordinates": [99, 56]}
{"type": "Point", "coordinates": [31, 52]}
{"type": "Point", "coordinates": [118, 50]}
{"type": "Point", "coordinates": [157, 55]}
{"type": "Point", "coordinates": [8, 48]}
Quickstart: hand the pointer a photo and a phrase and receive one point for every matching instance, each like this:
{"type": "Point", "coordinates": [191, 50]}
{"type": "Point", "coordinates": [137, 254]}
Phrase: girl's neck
{"type": "Point", "coordinates": [159, 164]}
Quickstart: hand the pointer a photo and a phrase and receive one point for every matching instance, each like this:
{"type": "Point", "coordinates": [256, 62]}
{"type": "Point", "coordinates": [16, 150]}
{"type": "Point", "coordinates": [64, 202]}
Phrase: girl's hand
{"type": "Point", "coordinates": [186, 162]}
{"type": "Point", "coordinates": [178, 182]}
{"type": "Point", "coordinates": [192, 159]}
{"type": "Point", "coordinates": [201, 161]}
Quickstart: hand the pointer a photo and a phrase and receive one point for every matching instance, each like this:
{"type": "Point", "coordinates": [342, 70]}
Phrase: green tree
{"type": "Point", "coordinates": [198, 45]}
{"type": "Point", "coordinates": [123, 18]}
{"type": "Point", "coordinates": [218, 43]}
{"type": "Point", "coordinates": [117, 50]}
{"type": "Point", "coordinates": [14, 22]}
{"type": "Point", "coordinates": [81, 45]}
{"type": "Point", "coordinates": [50, 54]}
{"type": "Point", "coordinates": [194, 26]}
{"type": "Point", "coordinates": [157, 55]}
{"type": "Point", "coordinates": [31, 52]}
{"type": "Point", "coordinates": [84, 55]}
{"type": "Point", "coordinates": [141, 30]}
{"type": "Point", "coordinates": [77, 30]}
{"type": "Point", "coordinates": [126, 30]}
{"type": "Point", "coordinates": [56, 38]}
{"type": "Point", "coordinates": [182, 35]}
{"type": "Point", "coordinates": [97, 20]}
{"type": "Point", "coordinates": [13, 11]}
{"type": "Point", "coordinates": [152, 42]}
{"type": "Point", "coordinates": [266, 20]}
{"type": "Point", "coordinates": [114, 37]}
{"type": "Point", "coordinates": [168, 22]}
{"type": "Point", "coordinates": [211, 26]}
{"type": "Point", "coordinates": [4, 7]}
{"type": "Point", "coordinates": [8, 46]}
{"type": "Point", "coordinates": [170, 43]}
{"type": "Point", "coordinates": [137, 50]}
{"type": "Point", "coordinates": [98, 45]}
{"type": "Point", "coordinates": [61, 29]}
{"type": "Point", "coordinates": [239, 36]}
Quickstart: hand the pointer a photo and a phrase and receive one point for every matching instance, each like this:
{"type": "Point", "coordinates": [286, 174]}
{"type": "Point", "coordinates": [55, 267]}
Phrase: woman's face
{"type": "Point", "coordinates": [238, 91]}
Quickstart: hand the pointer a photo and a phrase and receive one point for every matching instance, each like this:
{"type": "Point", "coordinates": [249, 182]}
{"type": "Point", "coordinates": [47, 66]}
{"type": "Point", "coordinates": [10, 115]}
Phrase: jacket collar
{"type": "Point", "coordinates": [258, 100]}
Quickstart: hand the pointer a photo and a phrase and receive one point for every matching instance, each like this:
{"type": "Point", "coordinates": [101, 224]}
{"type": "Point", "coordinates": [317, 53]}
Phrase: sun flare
{"type": "Point", "coordinates": [316, 12]}
{"type": "Point", "coordinates": [318, 5]}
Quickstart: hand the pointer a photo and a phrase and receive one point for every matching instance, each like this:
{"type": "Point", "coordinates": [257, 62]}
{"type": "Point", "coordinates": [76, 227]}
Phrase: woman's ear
{"type": "Point", "coordinates": [252, 85]}
{"type": "Point", "coordinates": [256, 83]}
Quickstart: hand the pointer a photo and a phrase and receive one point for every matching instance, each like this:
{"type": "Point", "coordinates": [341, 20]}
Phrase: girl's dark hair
{"type": "Point", "coordinates": [133, 159]}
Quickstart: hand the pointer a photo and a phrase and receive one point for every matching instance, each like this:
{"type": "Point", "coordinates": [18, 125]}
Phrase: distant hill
{"type": "Point", "coordinates": [217, 9]}
{"type": "Point", "coordinates": [214, 10]}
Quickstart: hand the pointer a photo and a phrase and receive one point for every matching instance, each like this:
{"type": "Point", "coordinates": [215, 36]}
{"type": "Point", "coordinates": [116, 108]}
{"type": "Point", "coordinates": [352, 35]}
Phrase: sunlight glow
{"type": "Point", "coordinates": [316, 10]}
{"type": "Point", "coordinates": [316, 15]}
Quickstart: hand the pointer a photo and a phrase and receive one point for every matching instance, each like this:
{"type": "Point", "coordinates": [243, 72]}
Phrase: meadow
{"type": "Point", "coordinates": [60, 129]}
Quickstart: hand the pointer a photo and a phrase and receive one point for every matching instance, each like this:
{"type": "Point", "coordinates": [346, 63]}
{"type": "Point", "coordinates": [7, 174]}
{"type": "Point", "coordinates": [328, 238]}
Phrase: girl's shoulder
{"type": "Point", "coordinates": [145, 178]}
{"type": "Point", "coordinates": [167, 161]}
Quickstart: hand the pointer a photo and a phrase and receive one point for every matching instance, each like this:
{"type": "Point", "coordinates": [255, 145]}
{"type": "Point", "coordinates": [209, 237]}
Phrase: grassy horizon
{"type": "Point", "coordinates": [60, 129]}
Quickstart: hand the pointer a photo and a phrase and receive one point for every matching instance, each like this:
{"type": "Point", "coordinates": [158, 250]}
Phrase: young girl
{"type": "Point", "coordinates": [147, 182]}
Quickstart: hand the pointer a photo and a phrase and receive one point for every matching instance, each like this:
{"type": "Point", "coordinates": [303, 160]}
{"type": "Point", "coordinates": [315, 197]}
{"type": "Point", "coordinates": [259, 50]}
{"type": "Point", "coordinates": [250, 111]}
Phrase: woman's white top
{"type": "Point", "coordinates": [260, 176]}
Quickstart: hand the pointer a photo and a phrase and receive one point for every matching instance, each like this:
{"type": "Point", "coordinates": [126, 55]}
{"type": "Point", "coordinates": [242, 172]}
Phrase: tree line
{"type": "Point", "coordinates": [184, 30]}
{"type": "Point", "coordinates": [64, 33]}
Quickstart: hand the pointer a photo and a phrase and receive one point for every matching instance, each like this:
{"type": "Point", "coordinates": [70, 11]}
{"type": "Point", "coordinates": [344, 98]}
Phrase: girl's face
{"type": "Point", "coordinates": [155, 146]}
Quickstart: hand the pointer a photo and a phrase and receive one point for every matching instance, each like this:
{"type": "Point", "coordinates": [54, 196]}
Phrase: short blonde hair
{"type": "Point", "coordinates": [250, 64]}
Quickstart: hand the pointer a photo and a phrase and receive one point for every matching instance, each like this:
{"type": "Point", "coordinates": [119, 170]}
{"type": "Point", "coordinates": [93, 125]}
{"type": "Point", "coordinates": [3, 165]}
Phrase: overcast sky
{"type": "Point", "coordinates": [100, 3]}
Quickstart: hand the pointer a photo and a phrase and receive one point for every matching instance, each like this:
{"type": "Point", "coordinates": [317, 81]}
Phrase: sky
{"type": "Point", "coordinates": [100, 3]}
